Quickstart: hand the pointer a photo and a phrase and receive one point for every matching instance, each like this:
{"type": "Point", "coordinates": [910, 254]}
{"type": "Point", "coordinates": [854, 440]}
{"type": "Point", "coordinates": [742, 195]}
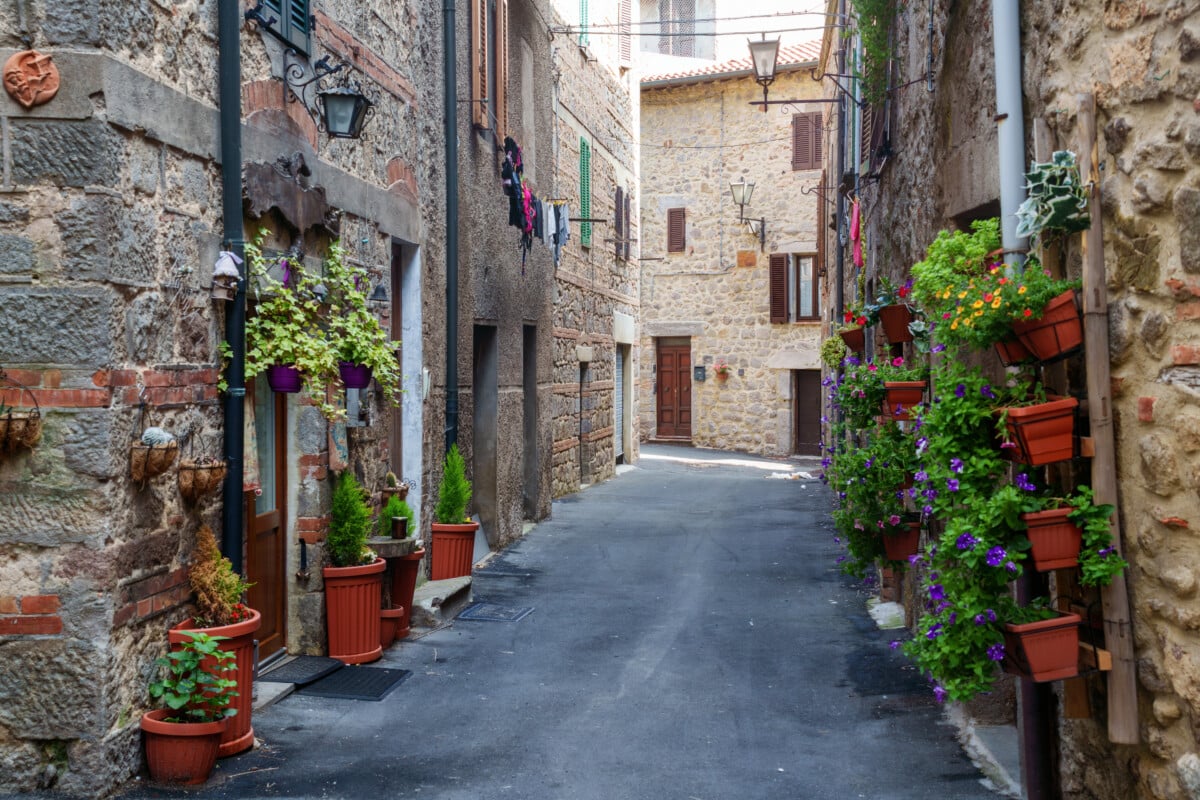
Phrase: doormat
{"type": "Point", "coordinates": [358, 683]}
{"type": "Point", "coordinates": [302, 670]}
{"type": "Point", "coordinates": [490, 612]}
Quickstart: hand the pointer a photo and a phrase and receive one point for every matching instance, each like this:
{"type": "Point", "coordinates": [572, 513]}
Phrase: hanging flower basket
{"type": "Point", "coordinates": [855, 339]}
{"type": "Point", "coordinates": [19, 427]}
{"type": "Point", "coordinates": [149, 461]}
{"type": "Point", "coordinates": [1012, 352]}
{"type": "Point", "coordinates": [901, 396]}
{"type": "Point", "coordinates": [1054, 539]}
{"type": "Point", "coordinates": [1057, 334]}
{"type": "Point", "coordinates": [1047, 650]}
{"type": "Point", "coordinates": [902, 543]}
{"type": "Point", "coordinates": [200, 477]}
{"type": "Point", "coordinates": [354, 376]}
{"type": "Point", "coordinates": [895, 319]}
{"type": "Point", "coordinates": [284, 378]}
{"type": "Point", "coordinates": [1043, 433]}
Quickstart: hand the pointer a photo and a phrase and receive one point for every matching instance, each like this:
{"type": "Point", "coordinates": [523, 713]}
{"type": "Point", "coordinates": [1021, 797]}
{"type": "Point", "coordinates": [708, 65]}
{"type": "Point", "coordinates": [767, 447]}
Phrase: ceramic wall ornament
{"type": "Point", "coordinates": [31, 78]}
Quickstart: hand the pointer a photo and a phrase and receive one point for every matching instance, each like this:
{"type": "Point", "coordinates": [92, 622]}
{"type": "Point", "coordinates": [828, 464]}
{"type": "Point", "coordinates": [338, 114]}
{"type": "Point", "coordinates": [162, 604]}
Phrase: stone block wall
{"type": "Point", "coordinates": [696, 139]}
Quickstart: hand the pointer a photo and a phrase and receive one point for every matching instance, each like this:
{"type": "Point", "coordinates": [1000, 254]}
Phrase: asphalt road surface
{"type": "Point", "coordinates": [691, 639]}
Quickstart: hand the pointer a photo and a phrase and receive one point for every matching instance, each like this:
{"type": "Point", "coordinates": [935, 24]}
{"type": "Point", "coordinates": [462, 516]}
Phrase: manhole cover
{"type": "Point", "coordinates": [490, 612]}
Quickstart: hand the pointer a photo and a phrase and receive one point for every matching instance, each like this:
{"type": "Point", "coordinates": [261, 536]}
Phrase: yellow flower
{"type": "Point", "coordinates": [979, 313]}
{"type": "Point", "coordinates": [954, 325]}
{"type": "Point", "coordinates": [961, 295]}
{"type": "Point", "coordinates": [1021, 290]}
{"type": "Point", "coordinates": [977, 304]}
{"type": "Point", "coordinates": [996, 303]}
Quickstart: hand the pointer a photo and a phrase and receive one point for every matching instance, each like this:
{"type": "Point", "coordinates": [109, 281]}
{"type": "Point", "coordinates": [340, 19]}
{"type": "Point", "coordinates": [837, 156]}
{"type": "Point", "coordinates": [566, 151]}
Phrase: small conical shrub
{"type": "Point", "coordinates": [395, 507]}
{"type": "Point", "coordinates": [349, 524]}
{"type": "Point", "coordinates": [455, 491]}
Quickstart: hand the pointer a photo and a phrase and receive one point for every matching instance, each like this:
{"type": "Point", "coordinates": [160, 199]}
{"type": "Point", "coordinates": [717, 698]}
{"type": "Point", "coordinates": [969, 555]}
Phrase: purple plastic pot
{"type": "Point", "coordinates": [283, 379]}
{"type": "Point", "coordinates": [355, 376]}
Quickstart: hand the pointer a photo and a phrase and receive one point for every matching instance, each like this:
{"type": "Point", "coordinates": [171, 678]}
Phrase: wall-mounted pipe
{"type": "Point", "coordinates": [1010, 123]}
{"type": "Point", "coordinates": [450, 133]}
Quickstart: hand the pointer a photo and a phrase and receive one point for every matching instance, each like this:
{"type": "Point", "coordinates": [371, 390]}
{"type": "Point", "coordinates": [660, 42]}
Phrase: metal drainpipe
{"type": "Point", "coordinates": [449, 75]}
{"type": "Point", "coordinates": [230, 97]}
{"type": "Point", "coordinates": [843, 108]}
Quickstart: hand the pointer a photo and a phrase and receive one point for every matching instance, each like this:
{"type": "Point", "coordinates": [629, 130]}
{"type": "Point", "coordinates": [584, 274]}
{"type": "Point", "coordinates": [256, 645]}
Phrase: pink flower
{"type": "Point", "coordinates": [872, 367]}
{"type": "Point", "coordinates": [897, 362]}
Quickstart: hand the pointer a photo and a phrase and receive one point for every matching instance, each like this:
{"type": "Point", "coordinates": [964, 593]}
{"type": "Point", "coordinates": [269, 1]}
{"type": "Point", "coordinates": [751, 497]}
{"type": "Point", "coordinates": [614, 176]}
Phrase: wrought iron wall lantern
{"type": "Point", "coordinates": [742, 192]}
{"type": "Point", "coordinates": [341, 109]}
{"type": "Point", "coordinates": [764, 56]}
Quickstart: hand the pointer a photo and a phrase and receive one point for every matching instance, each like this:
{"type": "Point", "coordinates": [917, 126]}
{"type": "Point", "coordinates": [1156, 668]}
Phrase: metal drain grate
{"type": "Point", "coordinates": [357, 683]}
{"type": "Point", "coordinates": [490, 612]}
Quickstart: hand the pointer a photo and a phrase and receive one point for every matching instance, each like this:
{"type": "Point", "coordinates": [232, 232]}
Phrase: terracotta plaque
{"type": "Point", "coordinates": [747, 258]}
{"type": "Point", "coordinates": [31, 78]}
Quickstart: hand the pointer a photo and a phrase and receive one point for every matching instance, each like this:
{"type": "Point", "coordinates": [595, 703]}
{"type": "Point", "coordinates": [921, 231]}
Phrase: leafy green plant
{"type": "Point", "coordinates": [349, 524]}
{"type": "Point", "coordinates": [454, 492]}
{"type": "Point", "coordinates": [1056, 199]}
{"type": "Point", "coordinates": [355, 332]}
{"type": "Point", "coordinates": [833, 351]}
{"type": "Point", "coordinates": [873, 20]}
{"type": "Point", "coordinates": [1099, 561]}
{"type": "Point", "coordinates": [195, 691]}
{"type": "Point", "coordinates": [395, 507]}
{"type": "Point", "coordinates": [952, 256]}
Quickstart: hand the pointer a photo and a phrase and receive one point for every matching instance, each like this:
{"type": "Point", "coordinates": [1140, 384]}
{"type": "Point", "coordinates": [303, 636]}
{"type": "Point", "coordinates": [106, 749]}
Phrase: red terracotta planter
{"type": "Point", "coordinates": [895, 319]}
{"type": "Point", "coordinates": [1058, 332]}
{"type": "Point", "coordinates": [238, 735]}
{"type": "Point", "coordinates": [1054, 539]}
{"type": "Point", "coordinates": [180, 752]}
{"type": "Point", "coordinates": [903, 543]}
{"type": "Point", "coordinates": [404, 584]}
{"type": "Point", "coordinates": [855, 339]}
{"type": "Point", "coordinates": [353, 596]}
{"type": "Point", "coordinates": [1047, 650]}
{"type": "Point", "coordinates": [1013, 352]}
{"type": "Point", "coordinates": [1043, 434]}
{"type": "Point", "coordinates": [902, 396]}
{"type": "Point", "coordinates": [389, 622]}
{"type": "Point", "coordinates": [453, 549]}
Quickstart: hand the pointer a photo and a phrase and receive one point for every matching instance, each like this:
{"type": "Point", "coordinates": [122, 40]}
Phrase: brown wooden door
{"type": "Point", "coordinates": [675, 391]}
{"type": "Point", "coordinates": [806, 403]}
{"type": "Point", "coordinates": [266, 538]}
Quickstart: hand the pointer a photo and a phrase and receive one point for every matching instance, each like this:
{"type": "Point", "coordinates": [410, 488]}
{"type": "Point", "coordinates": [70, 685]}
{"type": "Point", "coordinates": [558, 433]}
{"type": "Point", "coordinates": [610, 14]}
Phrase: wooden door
{"type": "Point", "coordinates": [675, 391]}
{"type": "Point", "coordinates": [806, 404]}
{"type": "Point", "coordinates": [266, 539]}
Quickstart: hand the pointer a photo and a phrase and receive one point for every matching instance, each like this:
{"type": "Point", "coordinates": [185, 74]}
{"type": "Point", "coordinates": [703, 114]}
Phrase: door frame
{"type": "Point", "coordinates": [275, 519]}
{"type": "Point", "coordinates": [682, 344]}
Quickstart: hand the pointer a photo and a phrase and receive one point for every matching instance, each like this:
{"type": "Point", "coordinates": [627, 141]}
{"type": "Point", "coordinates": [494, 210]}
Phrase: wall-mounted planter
{"type": "Point", "coordinates": [901, 396]}
{"type": "Point", "coordinates": [1054, 539]}
{"type": "Point", "coordinates": [1047, 650]}
{"type": "Point", "coordinates": [19, 428]}
{"type": "Point", "coordinates": [354, 376]}
{"type": "Point", "coordinates": [148, 461]}
{"type": "Point", "coordinates": [855, 339]}
{"type": "Point", "coordinates": [1012, 352]}
{"type": "Point", "coordinates": [284, 378]}
{"type": "Point", "coordinates": [199, 478]}
{"type": "Point", "coordinates": [1043, 433]}
{"type": "Point", "coordinates": [901, 544]}
{"type": "Point", "coordinates": [1057, 334]}
{"type": "Point", "coordinates": [895, 319]}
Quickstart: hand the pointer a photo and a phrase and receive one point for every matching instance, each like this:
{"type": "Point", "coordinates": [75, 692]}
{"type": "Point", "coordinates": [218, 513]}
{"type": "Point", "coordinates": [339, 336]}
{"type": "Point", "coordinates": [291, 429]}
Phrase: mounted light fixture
{"type": "Point", "coordinates": [764, 54]}
{"type": "Point", "coordinates": [340, 110]}
{"type": "Point", "coordinates": [742, 191]}
{"type": "Point", "coordinates": [379, 296]}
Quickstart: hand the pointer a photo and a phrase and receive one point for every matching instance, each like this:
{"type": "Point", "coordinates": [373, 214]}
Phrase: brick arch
{"type": "Point", "coordinates": [402, 178]}
{"type": "Point", "coordinates": [263, 102]}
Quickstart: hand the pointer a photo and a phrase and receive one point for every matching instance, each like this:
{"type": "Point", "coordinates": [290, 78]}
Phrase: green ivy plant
{"type": "Point", "coordinates": [833, 351]}
{"type": "Point", "coordinates": [353, 329]}
{"type": "Point", "coordinates": [194, 690]}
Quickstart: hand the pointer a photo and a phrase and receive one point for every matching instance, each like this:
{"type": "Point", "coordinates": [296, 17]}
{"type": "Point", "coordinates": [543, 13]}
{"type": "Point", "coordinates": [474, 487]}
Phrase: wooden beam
{"type": "Point", "coordinates": [1118, 626]}
{"type": "Point", "coordinates": [1097, 658]}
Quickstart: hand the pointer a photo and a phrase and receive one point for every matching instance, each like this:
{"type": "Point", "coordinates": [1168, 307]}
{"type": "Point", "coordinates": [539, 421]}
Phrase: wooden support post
{"type": "Point", "coordinates": [1118, 628]}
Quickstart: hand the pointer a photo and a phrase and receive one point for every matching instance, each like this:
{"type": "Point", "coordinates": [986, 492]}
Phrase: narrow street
{"type": "Point", "coordinates": [691, 639]}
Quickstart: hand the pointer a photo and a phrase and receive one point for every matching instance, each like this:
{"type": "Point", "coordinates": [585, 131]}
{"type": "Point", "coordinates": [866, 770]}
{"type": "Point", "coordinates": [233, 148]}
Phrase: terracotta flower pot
{"type": "Point", "coordinates": [1047, 650]}
{"type": "Point", "coordinates": [855, 339]}
{"type": "Point", "coordinates": [354, 376]}
{"type": "Point", "coordinates": [1057, 333]}
{"type": "Point", "coordinates": [238, 735]}
{"type": "Point", "coordinates": [895, 319]}
{"type": "Point", "coordinates": [283, 378]}
{"type": "Point", "coordinates": [353, 596]}
{"type": "Point", "coordinates": [1054, 539]}
{"type": "Point", "coordinates": [902, 396]}
{"type": "Point", "coordinates": [901, 544]}
{"type": "Point", "coordinates": [453, 547]}
{"type": "Point", "coordinates": [1011, 352]}
{"type": "Point", "coordinates": [180, 752]}
{"type": "Point", "coordinates": [389, 623]}
{"type": "Point", "coordinates": [1043, 433]}
{"type": "Point", "coordinates": [404, 584]}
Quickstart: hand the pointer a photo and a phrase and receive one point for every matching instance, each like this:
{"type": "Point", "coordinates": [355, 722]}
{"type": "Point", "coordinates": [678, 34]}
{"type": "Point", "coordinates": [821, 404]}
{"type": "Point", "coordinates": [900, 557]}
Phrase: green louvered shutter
{"type": "Point", "coordinates": [292, 21]}
{"type": "Point", "coordinates": [585, 192]}
{"type": "Point", "coordinates": [583, 23]}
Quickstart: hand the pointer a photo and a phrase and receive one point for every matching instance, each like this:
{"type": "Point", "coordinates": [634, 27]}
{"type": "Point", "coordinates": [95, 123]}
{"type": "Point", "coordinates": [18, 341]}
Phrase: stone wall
{"type": "Point", "coordinates": [696, 139]}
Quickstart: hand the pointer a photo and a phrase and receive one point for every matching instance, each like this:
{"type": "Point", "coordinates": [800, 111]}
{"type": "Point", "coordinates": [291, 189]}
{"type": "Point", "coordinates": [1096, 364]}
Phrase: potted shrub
{"type": "Point", "coordinates": [453, 538]}
{"type": "Point", "coordinates": [183, 736]}
{"type": "Point", "coordinates": [220, 613]}
{"type": "Point", "coordinates": [354, 579]}
{"type": "Point", "coordinates": [364, 349]}
{"type": "Point", "coordinates": [404, 568]}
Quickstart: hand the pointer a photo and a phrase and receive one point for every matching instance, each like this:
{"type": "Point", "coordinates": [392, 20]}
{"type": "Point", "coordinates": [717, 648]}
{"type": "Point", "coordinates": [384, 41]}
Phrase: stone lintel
{"type": "Point", "coordinates": [659, 329]}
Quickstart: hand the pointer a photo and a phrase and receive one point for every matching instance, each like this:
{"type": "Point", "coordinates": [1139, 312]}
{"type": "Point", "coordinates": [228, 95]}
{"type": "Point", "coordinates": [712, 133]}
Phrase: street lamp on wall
{"type": "Point", "coordinates": [764, 54]}
{"type": "Point", "coordinates": [742, 191]}
{"type": "Point", "coordinates": [341, 110]}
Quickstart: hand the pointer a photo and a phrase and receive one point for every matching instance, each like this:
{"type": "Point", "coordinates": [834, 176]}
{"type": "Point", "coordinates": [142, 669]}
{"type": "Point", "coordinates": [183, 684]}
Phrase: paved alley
{"type": "Point", "coordinates": [691, 639]}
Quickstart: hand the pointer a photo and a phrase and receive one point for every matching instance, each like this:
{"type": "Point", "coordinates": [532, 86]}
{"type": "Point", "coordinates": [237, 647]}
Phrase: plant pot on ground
{"type": "Point", "coordinates": [183, 737]}
{"type": "Point", "coordinates": [354, 581]}
{"type": "Point", "coordinates": [389, 624]}
{"type": "Point", "coordinates": [453, 534]}
{"type": "Point", "coordinates": [404, 585]}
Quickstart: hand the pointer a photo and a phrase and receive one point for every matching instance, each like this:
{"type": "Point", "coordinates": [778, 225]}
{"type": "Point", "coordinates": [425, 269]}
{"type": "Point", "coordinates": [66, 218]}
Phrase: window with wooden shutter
{"type": "Point", "coordinates": [619, 223]}
{"type": "Point", "coordinates": [624, 32]}
{"type": "Point", "coordinates": [479, 63]}
{"type": "Point", "coordinates": [489, 65]}
{"type": "Point", "coordinates": [291, 21]}
{"type": "Point", "coordinates": [868, 132]}
{"type": "Point", "coordinates": [583, 23]}
{"type": "Point", "coordinates": [501, 67]}
{"type": "Point", "coordinates": [779, 287]}
{"type": "Point", "coordinates": [585, 192]}
{"type": "Point", "coordinates": [806, 140]}
{"type": "Point", "coordinates": [628, 225]}
{"type": "Point", "coordinates": [676, 230]}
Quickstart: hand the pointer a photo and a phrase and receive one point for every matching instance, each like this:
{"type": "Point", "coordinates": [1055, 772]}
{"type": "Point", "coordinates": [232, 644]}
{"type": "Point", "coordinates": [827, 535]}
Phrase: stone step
{"type": "Point", "coordinates": [437, 602]}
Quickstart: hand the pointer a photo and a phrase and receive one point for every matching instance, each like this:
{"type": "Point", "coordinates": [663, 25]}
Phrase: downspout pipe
{"type": "Point", "coordinates": [1010, 125]}
{"type": "Point", "coordinates": [843, 108]}
{"type": "Point", "coordinates": [450, 78]}
{"type": "Point", "coordinates": [230, 98]}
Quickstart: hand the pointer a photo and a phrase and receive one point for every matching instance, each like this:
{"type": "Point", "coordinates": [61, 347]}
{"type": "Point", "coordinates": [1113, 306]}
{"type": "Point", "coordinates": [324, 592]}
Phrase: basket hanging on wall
{"type": "Point", "coordinates": [153, 454]}
{"type": "Point", "coordinates": [19, 427]}
{"type": "Point", "coordinates": [199, 477]}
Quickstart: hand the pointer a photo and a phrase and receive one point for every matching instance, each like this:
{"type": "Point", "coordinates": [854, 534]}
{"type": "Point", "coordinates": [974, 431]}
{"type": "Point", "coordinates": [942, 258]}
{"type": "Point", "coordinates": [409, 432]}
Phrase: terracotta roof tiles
{"type": "Point", "coordinates": [791, 55]}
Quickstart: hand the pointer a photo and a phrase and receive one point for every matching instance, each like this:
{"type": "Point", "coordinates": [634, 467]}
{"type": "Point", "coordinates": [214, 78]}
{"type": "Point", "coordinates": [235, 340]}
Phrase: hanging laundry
{"type": "Point", "coordinates": [856, 234]}
{"type": "Point", "coordinates": [564, 230]}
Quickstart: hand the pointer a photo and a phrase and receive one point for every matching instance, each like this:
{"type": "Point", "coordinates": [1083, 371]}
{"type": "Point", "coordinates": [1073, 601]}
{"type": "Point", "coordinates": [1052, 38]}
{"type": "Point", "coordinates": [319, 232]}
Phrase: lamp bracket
{"type": "Point", "coordinates": [305, 82]}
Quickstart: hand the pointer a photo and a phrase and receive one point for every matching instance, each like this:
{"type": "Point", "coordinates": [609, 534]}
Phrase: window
{"type": "Point", "coordinates": [290, 20]}
{"type": "Point", "coordinates": [489, 65]}
{"type": "Point", "coordinates": [585, 192]}
{"type": "Point", "coordinates": [677, 27]}
{"type": "Point", "coordinates": [794, 287]}
{"type": "Point", "coordinates": [807, 133]}
{"type": "Point", "coordinates": [583, 24]}
{"type": "Point", "coordinates": [624, 31]}
{"type": "Point", "coordinates": [676, 230]}
{"type": "Point", "coordinates": [622, 227]}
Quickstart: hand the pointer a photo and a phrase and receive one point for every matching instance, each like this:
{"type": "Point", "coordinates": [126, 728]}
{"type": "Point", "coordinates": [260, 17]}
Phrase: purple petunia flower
{"type": "Point", "coordinates": [869, 462]}
{"type": "Point", "coordinates": [937, 348]}
{"type": "Point", "coordinates": [930, 494]}
{"type": "Point", "coordinates": [952, 484]}
{"type": "Point", "coordinates": [937, 592]}
{"type": "Point", "coordinates": [939, 693]}
{"type": "Point", "coordinates": [927, 510]}
{"type": "Point", "coordinates": [966, 542]}
{"type": "Point", "coordinates": [995, 556]}
{"type": "Point", "coordinates": [921, 476]}
{"type": "Point", "coordinates": [991, 615]}
{"type": "Point", "coordinates": [894, 643]}
{"type": "Point", "coordinates": [956, 466]}
{"type": "Point", "coordinates": [953, 618]}
{"type": "Point", "coordinates": [894, 519]}
{"type": "Point", "coordinates": [1024, 483]}
{"type": "Point", "coordinates": [986, 391]}
{"type": "Point", "coordinates": [934, 632]}
{"type": "Point", "coordinates": [914, 559]}
{"type": "Point", "coordinates": [960, 391]}
{"type": "Point", "coordinates": [1011, 567]}
{"type": "Point", "coordinates": [996, 652]}
{"type": "Point", "coordinates": [980, 619]}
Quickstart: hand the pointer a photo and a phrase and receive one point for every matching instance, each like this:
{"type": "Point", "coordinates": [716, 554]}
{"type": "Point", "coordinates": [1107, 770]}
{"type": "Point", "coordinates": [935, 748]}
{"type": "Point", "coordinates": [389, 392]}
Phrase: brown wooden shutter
{"type": "Point", "coordinates": [778, 274]}
{"type": "Point", "coordinates": [868, 132]}
{"type": "Point", "coordinates": [628, 225]}
{"type": "Point", "coordinates": [501, 67]}
{"type": "Point", "coordinates": [676, 230]}
{"type": "Point", "coordinates": [801, 141]}
{"type": "Point", "coordinates": [479, 82]}
{"type": "Point", "coordinates": [817, 126]}
{"type": "Point", "coordinates": [619, 223]}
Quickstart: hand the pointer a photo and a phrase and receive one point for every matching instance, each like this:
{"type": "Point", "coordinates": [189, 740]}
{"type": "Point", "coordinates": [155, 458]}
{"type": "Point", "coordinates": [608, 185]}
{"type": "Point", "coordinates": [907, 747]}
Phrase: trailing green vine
{"type": "Point", "coordinates": [873, 19]}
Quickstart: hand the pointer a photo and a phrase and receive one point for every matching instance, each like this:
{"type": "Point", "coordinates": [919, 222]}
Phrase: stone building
{"type": "Point", "coordinates": [927, 161]}
{"type": "Point", "coordinates": [724, 285]}
{"type": "Point", "coordinates": [111, 219]}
